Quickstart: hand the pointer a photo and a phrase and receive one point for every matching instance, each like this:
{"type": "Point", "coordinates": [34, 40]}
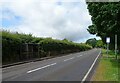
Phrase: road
{"type": "Point", "coordinates": [71, 67]}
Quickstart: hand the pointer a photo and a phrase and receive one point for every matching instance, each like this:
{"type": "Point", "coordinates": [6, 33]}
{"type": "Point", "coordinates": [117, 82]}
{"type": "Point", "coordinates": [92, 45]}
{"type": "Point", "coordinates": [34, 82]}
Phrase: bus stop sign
{"type": "Point", "coordinates": [108, 39]}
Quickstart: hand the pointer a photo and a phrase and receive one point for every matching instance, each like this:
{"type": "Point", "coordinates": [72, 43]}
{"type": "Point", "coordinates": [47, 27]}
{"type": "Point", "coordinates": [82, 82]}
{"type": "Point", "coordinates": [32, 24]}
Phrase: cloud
{"type": "Point", "coordinates": [51, 18]}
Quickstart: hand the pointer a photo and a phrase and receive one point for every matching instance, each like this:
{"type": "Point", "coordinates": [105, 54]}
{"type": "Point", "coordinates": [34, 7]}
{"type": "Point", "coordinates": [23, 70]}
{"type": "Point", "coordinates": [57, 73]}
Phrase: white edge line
{"type": "Point", "coordinates": [41, 68]}
{"type": "Point", "coordinates": [90, 68]}
{"type": "Point", "coordinates": [69, 59]}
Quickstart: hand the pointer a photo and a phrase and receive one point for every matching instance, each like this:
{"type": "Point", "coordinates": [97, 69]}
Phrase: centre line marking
{"type": "Point", "coordinates": [69, 59]}
{"type": "Point", "coordinates": [41, 68]}
{"type": "Point", "coordinates": [79, 56]}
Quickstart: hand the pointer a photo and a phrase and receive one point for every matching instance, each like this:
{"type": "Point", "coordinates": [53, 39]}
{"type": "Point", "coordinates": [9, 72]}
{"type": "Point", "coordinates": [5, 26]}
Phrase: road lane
{"type": "Point", "coordinates": [71, 67]}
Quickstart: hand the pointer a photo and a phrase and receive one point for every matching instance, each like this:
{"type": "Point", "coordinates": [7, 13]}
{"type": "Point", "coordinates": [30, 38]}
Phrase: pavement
{"type": "Point", "coordinates": [71, 67]}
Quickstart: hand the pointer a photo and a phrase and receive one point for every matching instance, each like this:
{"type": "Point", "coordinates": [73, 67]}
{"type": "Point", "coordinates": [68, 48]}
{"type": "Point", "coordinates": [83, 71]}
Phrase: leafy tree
{"type": "Point", "coordinates": [92, 42]}
{"type": "Point", "coordinates": [105, 20]}
{"type": "Point", "coordinates": [100, 44]}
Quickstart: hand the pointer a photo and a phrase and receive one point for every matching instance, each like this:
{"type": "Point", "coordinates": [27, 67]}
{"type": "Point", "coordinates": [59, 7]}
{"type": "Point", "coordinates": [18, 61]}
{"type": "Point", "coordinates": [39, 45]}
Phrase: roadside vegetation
{"type": "Point", "coordinates": [108, 68]}
{"type": "Point", "coordinates": [96, 43]}
{"type": "Point", "coordinates": [106, 23]}
{"type": "Point", "coordinates": [12, 42]}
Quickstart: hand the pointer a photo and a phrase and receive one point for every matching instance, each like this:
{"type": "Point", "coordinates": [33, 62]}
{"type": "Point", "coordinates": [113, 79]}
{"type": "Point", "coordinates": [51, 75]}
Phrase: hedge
{"type": "Point", "coordinates": [13, 41]}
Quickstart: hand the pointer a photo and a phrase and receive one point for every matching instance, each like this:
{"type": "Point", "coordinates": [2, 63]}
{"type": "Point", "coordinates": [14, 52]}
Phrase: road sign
{"type": "Point", "coordinates": [108, 39]}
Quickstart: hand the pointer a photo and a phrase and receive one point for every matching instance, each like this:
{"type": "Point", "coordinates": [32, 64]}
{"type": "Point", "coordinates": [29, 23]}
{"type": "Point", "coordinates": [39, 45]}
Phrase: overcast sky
{"type": "Point", "coordinates": [47, 18]}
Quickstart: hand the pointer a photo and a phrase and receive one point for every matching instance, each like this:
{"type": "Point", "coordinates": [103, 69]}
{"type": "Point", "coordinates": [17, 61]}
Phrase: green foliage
{"type": "Point", "coordinates": [9, 43]}
{"type": "Point", "coordinates": [58, 45]}
{"type": "Point", "coordinates": [100, 44]}
{"type": "Point", "coordinates": [13, 41]}
{"type": "Point", "coordinates": [106, 20]}
{"type": "Point", "coordinates": [92, 29]}
{"type": "Point", "coordinates": [96, 43]}
{"type": "Point", "coordinates": [92, 42]}
{"type": "Point", "coordinates": [37, 40]}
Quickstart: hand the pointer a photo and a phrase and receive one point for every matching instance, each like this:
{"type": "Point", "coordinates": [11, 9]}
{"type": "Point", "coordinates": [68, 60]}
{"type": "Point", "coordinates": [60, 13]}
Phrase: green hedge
{"type": "Point", "coordinates": [12, 42]}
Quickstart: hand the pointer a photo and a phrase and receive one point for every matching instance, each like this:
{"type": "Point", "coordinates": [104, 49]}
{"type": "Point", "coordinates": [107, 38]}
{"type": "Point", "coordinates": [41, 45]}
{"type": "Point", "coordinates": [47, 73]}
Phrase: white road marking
{"type": "Point", "coordinates": [79, 56]}
{"type": "Point", "coordinates": [69, 59]}
{"type": "Point", "coordinates": [83, 80]}
{"type": "Point", "coordinates": [41, 68]}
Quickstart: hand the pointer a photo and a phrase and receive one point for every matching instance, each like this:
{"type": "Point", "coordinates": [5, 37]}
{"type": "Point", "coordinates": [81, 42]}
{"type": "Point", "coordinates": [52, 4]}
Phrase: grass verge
{"type": "Point", "coordinates": [108, 68]}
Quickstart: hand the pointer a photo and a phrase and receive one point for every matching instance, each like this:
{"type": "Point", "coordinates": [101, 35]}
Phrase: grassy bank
{"type": "Point", "coordinates": [108, 68]}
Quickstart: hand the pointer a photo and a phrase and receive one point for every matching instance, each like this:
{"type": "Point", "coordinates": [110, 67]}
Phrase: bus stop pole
{"type": "Point", "coordinates": [107, 48]}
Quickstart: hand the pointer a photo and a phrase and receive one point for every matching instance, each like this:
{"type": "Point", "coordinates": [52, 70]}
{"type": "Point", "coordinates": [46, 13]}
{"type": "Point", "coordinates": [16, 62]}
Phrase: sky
{"type": "Point", "coordinates": [58, 19]}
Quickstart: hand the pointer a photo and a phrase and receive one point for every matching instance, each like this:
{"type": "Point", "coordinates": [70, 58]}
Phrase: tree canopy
{"type": "Point", "coordinates": [95, 43]}
{"type": "Point", "coordinates": [92, 42]}
{"type": "Point", "coordinates": [105, 20]}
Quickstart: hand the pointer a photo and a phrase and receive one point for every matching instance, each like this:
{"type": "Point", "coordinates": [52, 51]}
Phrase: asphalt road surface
{"type": "Point", "coordinates": [71, 67]}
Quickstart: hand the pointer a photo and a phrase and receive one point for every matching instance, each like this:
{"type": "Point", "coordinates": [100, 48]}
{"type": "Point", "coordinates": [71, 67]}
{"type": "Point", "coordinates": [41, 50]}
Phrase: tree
{"type": "Point", "coordinates": [92, 42]}
{"type": "Point", "coordinates": [100, 44]}
{"type": "Point", "coordinates": [105, 20]}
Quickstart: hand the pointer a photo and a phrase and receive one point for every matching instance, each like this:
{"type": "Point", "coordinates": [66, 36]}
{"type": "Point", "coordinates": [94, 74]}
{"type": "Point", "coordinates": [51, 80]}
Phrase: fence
{"type": "Point", "coordinates": [29, 51]}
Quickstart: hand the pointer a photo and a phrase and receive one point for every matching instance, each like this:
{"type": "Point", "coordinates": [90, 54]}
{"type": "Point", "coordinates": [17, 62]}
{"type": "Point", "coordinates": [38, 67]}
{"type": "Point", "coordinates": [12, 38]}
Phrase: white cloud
{"type": "Point", "coordinates": [50, 19]}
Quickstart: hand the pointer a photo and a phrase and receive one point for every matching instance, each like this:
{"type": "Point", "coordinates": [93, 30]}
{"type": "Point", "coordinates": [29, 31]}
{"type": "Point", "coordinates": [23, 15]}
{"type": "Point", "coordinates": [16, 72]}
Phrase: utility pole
{"type": "Point", "coordinates": [116, 46]}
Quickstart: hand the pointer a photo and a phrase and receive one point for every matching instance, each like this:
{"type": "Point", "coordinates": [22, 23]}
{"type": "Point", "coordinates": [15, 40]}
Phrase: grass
{"type": "Point", "coordinates": [108, 68]}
